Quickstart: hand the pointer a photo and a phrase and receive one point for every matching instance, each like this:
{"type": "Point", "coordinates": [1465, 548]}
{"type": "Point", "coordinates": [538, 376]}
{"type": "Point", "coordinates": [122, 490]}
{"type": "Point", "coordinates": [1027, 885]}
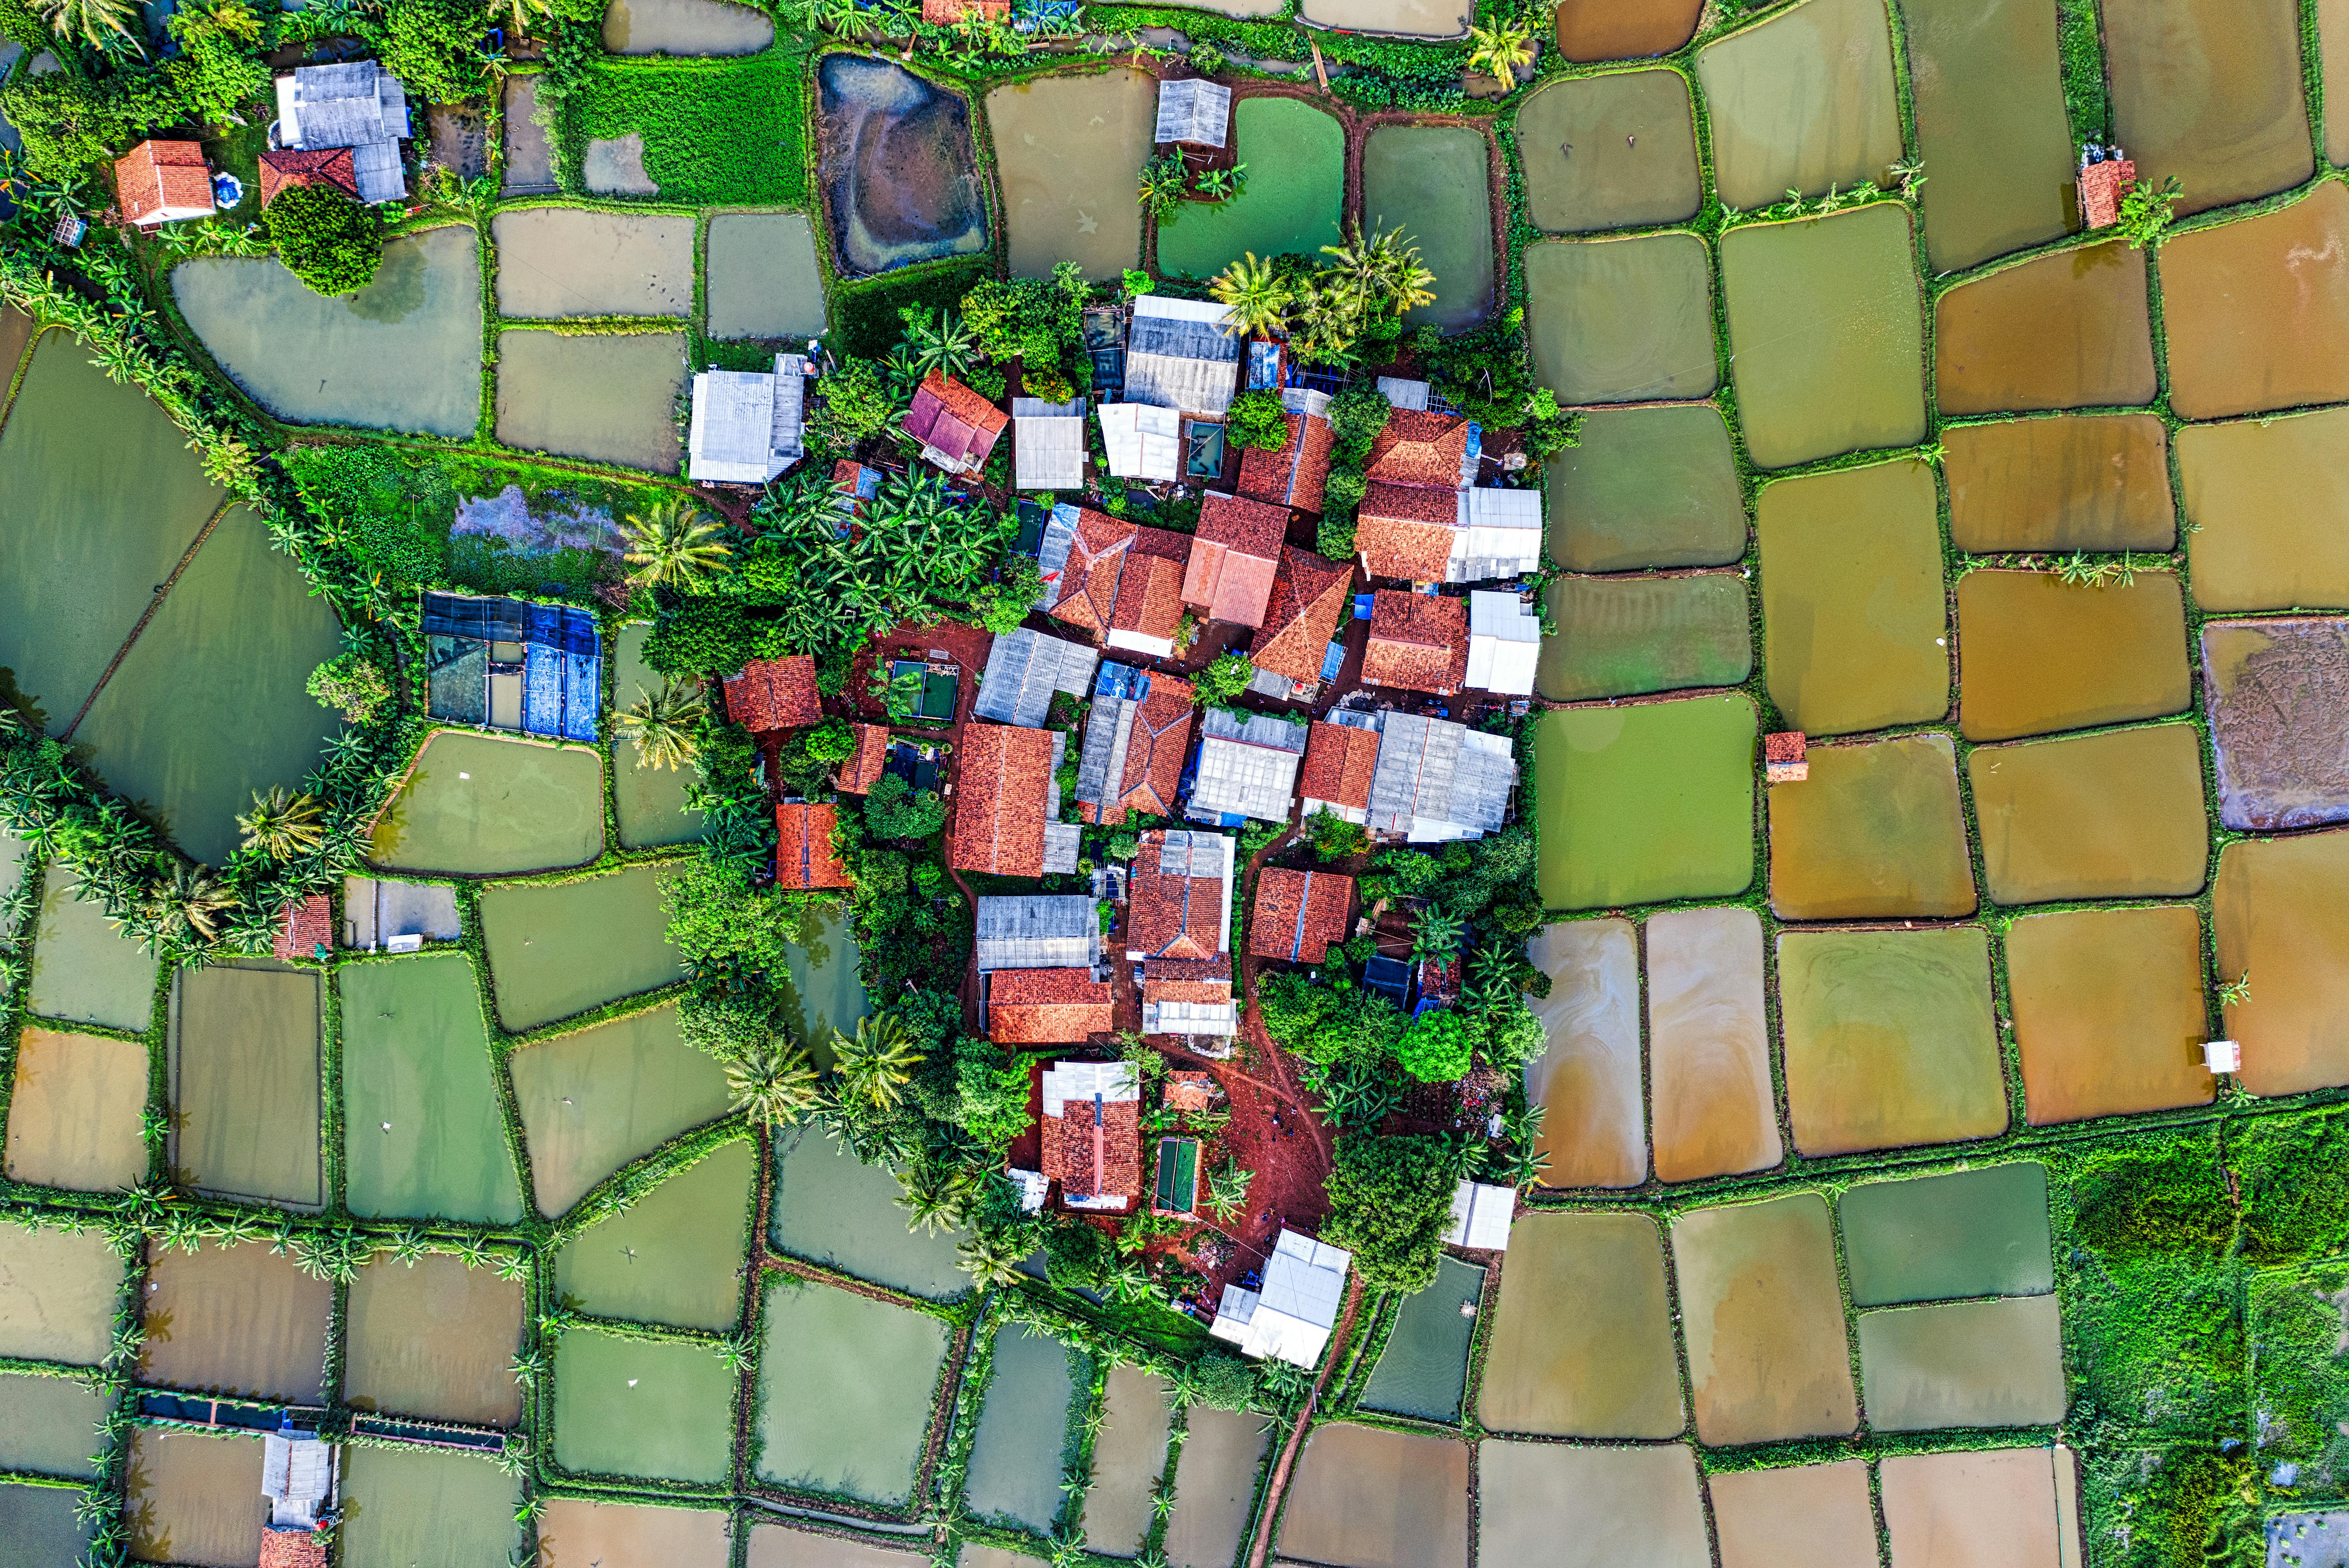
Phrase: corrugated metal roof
{"type": "Point", "coordinates": [1197, 112]}
{"type": "Point", "coordinates": [1024, 669]}
{"type": "Point", "coordinates": [1039, 931]}
{"type": "Point", "coordinates": [1143, 441]}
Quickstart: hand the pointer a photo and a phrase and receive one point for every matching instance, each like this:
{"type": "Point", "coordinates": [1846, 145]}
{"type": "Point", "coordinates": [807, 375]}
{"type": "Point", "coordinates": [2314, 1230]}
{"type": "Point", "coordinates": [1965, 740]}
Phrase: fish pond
{"type": "Point", "coordinates": [763, 277]}
{"type": "Point", "coordinates": [1876, 832]}
{"type": "Point", "coordinates": [832, 1209]}
{"type": "Point", "coordinates": [899, 176]}
{"type": "Point", "coordinates": [2108, 1012]}
{"type": "Point", "coordinates": [846, 1387]}
{"type": "Point", "coordinates": [1764, 1319]}
{"type": "Point", "coordinates": [84, 970]}
{"type": "Point", "coordinates": [685, 28]}
{"type": "Point", "coordinates": [1990, 125]}
{"type": "Point", "coordinates": [475, 805]}
{"type": "Point", "coordinates": [1975, 1233]}
{"type": "Point", "coordinates": [245, 1076]}
{"type": "Point", "coordinates": [1646, 802]}
{"type": "Point", "coordinates": [2208, 92]}
{"type": "Point", "coordinates": [1801, 101]}
{"type": "Point", "coordinates": [651, 801]}
{"type": "Point", "coordinates": [1621, 321]}
{"type": "Point", "coordinates": [422, 1132]}
{"type": "Point", "coordinates": [1714, 1112]}
{"type": "Point", "coordinates": [2007, 1508]}
{"type": "Point", "coordinates": [2275, 907]}
{"type": "Point", "coordinates": [558, 261]}
{"type": "Point", "coordinates": [631, 418]}
{"type": "Point", "coordinates": [50, 1426]}
{"type": "Point", "coordinates": [433, 1337]}
{"type": "Point", "coordinates": [1646, 488]}
{"type": "Point", "coordinates": [193, 1497]}
{"type": "Point", "coordinates": [1795, 1516]}
{"type": "Point", "coordinates": [1962, 1364]}
{"type": "Point", "coordinates": [675, 1256]}
{"type": "Point", "coordinates": [2070, 482]}
{"type": "Point", "coordinates": [1591, 30]}
{"type": "Point", "coordinates": [574, 1530]}
{"type": "Point", "coordinates": [2065, 330]}
{"type": "Point", "coordinates": [594, 1101]}
{"type": "Point", "coordinates": [425, 1508]}
{"type": "Point", "coordinates": [2271, 510]}
{"type": "Point", "coordinates": [1581, 1344]}
{"type": "Point", "coordinates": [1372, 1498]}
{"type": "Point", "coordinates": [236, 1319]}
{"type": "Point", "coordinates": [1424, 1366]}
{"type": "Point", "coordinates": [1067, 149]}
{"type": "Point", "coordinates": [1295, 191]}
{"type": "Point", "coordinates": [2114, 815]}
{"type": "Point", "coordinates": [74, 1111]}
{"type": "Point", "coordinates": [2257, 312]}
{"type": "Point", "coordinates": [57, 1294]}
{"type": "Point", "coordinates": [1609, 152]}
{"type": "Point", "coordinates": [1214, 1486]}
{"type": "Point", "coordinates": [1128, 1460]}
{"type": "Point", "coordinates": [1434, 182]}
{"type": "Point", "coordinates": [1588, 1507]}
{"type": "Point", "coordinates": [633, 1408]}
{"type": "Point", "coordinates": [2039, 655]}
{"type": "Point", "coordinates": [557, 949]}
{"type": "Point", "coordinates": [1023, 1428]}
{"type": "Point", "coordinates": [1631, 635]}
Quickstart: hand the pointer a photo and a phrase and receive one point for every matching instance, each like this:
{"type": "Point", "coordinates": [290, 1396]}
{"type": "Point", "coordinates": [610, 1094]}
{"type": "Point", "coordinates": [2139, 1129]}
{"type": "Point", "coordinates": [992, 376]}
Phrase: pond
{"type": "Point", "coordinates": [74, 1114]}
{"type": "Point", "coordinates": [49, 1425]}
{"type": "Point", "coordinates": [57, 1294]}
{"type": "Point", "coordinates": [825, 993]}
{"type": "Point", "coordinates": [102, 501]}
{"type": "Point", "coordinates": [832, 1209]}
{"type": "Point", "coordinates": [422, 1132]}
{"type": "Point", "coordinates": [900, 178]}
{"type": "Point", "coordinates": [1590, 1507]}
{"type": "Point", "coordinates": [1023, 1428]}
{"type": "Point", "coordinates": [1129, 1458]}
{"type": "Point", "coordinates": [675, 1256]}
{"type": "Point", "coordinates": [208, 707]}
{"type": "Point", "coordinates": [1295, 191]}
{"type": "Point", "coordinates": [1989, 1510]}
{"type": "Point", "coordinates": [477, 805]}
{"type": "Point", "coordinates": [1376, 1499]}
{"type": "Point", "coordinates": [1435, 182]}
{"type": "Point", "coordinates": [1404, 18]}
{"type": "Point", "coordinates": [1646, 802]}
{"type": "Point", "coordinates": [419, 1508]}
{"type": "Point", "coordinates": [594, 1101]}
{"type": "Point", "coordinates": [1962, 1364]}
{"type": "Point", "coordinates": [2118, 815]}
{"type": "Point", "coordinates": [1973, 1233]}
{"type": "Point", "coordinates": [1067, 149]}
{"type": "Point", "coordinates": [1647, 487]}
{"type": "Point", "coordinates": [631, 421]}
{"type": "Point", "coordinates": [621, 1535]}
{"type": "Point", "coordinates": [2272, 509]}
{"type": "Point", "coordinates": [556, 262]}
{"type": "Point", "coordinates": [762, 276]}
{"type": "Point", "coordinates": [530, 159]}
{"type": "Point", "coordinates": [1582, 1340]}
{"type": "Point", "coordinates": [1609, 152]}
{"type": "Point", "coordinates": [1825, 326]}
{"type": "Point", "coordinates": [2071, 481]}
{"type": "Point", "coordinates": [1890, 1038]}
{"type": "Point", "coordinates": [2208, 91]}
{"type": "Point", "coordinates": [1214, 1488]}
{"type": "Point", "coordinates": [1623, 29]}
{"type": "Point", "coordinates": [1715, 1112]}
{"type": "Point", "coordinates": [846, 1384]}
{"type": "Point", "coordinates": [84, 970]}
{"type": "Point", "coordinates": [685, 28]}
{"type": "Point", "coordinates": [1801, 102]}
{"type": "Point", "coordinates": [402, 354]}
{"type": "Point", "coordinates": [1991, 126]}
{"type": "Point", "coordinates": [1795, 1516]}
{"type": "Point", "coordinates": [194, 1496]}
{"type": "Point", "coordinates": [1763, 1318]}
{"type": "Point", "coordinates": [1594, 1128]}
{"type": "Point", "coordinates": [2108, 1012]}
{"type": "Point", "coordinates": [1877, 833]}
{"type": "Point", "coordinates": [652, 800]}
{"type": "Point", "coordinates": [239, 1319]}
{"type": "Point", "coordinates": [2257, 313]}
{"type": "Point", "coordinates": [2273, 692]}
{"type": "Point", "coordinates": [2065, 330]}
{"type": "Point", "coordinates": [630, 1408]}
{"type": "Point", "coordinates": [39, 1526]}
{"type": "Point", "coordinates": [1621, 321]}
{"type": "Point", "coordinates": [557, 949]}
{"type": "Point", "coordinates": [245, 1075]}
{"type": "Point", "coordinates": [433, 1338]}
{"type": "Point", "coordinates": [2276, 906]}
{"type": "Point", "coordinates": [1424, 1366]}
{"type": "Point", "coordinates": [2038, 654]}
{"type": "Point", "coordinates": [774, 1546]}
{"type": "Point", "coordinates": [1624, 636]}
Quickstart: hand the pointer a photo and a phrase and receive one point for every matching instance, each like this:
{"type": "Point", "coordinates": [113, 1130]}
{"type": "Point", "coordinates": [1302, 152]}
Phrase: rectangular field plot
{"type": "Point", "coordinates": [560, 948]}
{"type": "Point", "coordinates": [2108, 1012]}
{"type": "Point", "coordinates": [1876, 832]}
{"type": "Point", "coordinates": [675, 1256]}
{"type": "Point", "coordinates": [650, 800]}
{"type": "Point", "coordinates": [1976, 1233]}
{"type": "Point", "coordinates": [2257, 312]}
{"type": "Point", "coordinates": [1634, 635]}
{"type": "Point", "coordinates": [1582, 1343]}
{"type": "Point", "coordinates": [1589, 1507]}
{"type": "Point", "coordinates": [38, 1527]}
{"type": "Point", "coordinates": [57, 1294]}
{"type": "Point", "coordinates": [475, 805]}
{"type": "Point", "coordinates": [846, 1386]}
{"type": "Point", "coordinates": [2274, 689]}
{"type": "Point", "coordinates": [1800, 1516]}
{"type": "Point", "coordinates": [1433, 180]}
{"type": "Point", "coordinates": [1623, 321]}
{"type": "Point", "coordinates": [49, 1425]}
{"type": "Point", "coordinates": [376, 909]}
{"type": "Point", "coordinates": [422, 1132]}
{"type": "Point", "coordinates": [2070, 481]}
{"type": "Point", "coordinates": [1713, 1110]}
{"type": "Point", "coordinates": [2299, 1381]}
{"type": "Point", "coordinates": [1023, 1426]}
{"type": "Point", "coordinates": [1367, 1498]}
{"type": "Point", "coordinates": [2276, 908]}
{"type": "Point", "coordinates": [1215, 1486]}
{"type": "Point", "coordinates": [1764, 1317]}
{"type": "Point", "coordinates": [564, 261]}
{"type": "Point", "coordinates": [195, 1498]}
{"type": "Point", "coordinates": [1129, 1458]}
{"type": "Point", "coordinates": [1646, 488]}
{"type": "Point", "coordinates": [2065, 330]}
{"type": "Point", "coordinates": [2117, 815]}
{"type": "Point", "coordinates": [1424, 1366]}
{"type": "Point", "coordinates": [627, 1408]}
{"type": "Point", "coordinates": [433, 1338]}
{"type": "Point", "coordinates": [244, 1083]}
{"type": "Point", "coordinates": [1594, 1128]}
{"type": "Point", "coordinates": [1840, 126]}
{"type": "Point", "coordinates": [1060, 143]}
{"type": "Point", "coordinates": [832, 1209]}
{"type": "Point", "coordinates": [84, 970]}
{"type": "Point", "coordinates": [1962, 1364]}
{"type": "Point", "coordinates": [777, 1546]}
{"type": "Point", "coordinates": [2008, 1508]}
{"type": "Point", "coordinates": [1296, 203]}
{"type": "Point", "coordinates": [542, 404]}
{"type": "Point", "coordinates": [2272, 498]}
{"type": "Point", "coordinates": [74, 1114]}
{"type": "Point", "coordinates": [593, 1101]}
{"type": "Point", "coordinates": [621, 1535]}
{"type": "Point", "coordinates": [1609, 152]}
{"type": "Point", "coordinates": [1647, 802]}
{"type": "Point", "coordinates": [1991, 122]}
{"type": "Point", "coordinates": [2038, 654]}
{"type": "Point", "coordinates": [236, 1320]}
{"type": "Point", "coordinates": [2209, 91]}
{"type": "Point", "coordinates": [425, 1509]}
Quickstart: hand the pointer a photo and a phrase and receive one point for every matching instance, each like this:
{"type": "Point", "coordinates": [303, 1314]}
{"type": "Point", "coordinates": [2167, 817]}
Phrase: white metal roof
{"type": "Point", "coordinates": [746, 425]}
{"type": "Point", "coordinates": [1404, 393]}
{"type": "Point", "coordinates": [1065, 1081]}
{"type": "Point", "coordinates": [1168, 307]}
{"type": "Point", "coordinates": [1481, 1214]}
{"type": "Point", "coordinates": [1195, 111]}
{"type": "Point", "coordinates": [1048, 446]}
{"type": "Point", "coordinates": [1496, 533]}
{"type": "Point", "coordinates": [1143, 441]}
{"type": "Point", "coordinates": [1292, 1316]}
{"type": "Point", "coordinates": [1504, 644]}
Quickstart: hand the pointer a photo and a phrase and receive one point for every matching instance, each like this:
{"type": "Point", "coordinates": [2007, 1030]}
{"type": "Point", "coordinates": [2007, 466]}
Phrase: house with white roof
{"type": "Point", "coordinates": [1143, 441]}
{"type": "Point", "coordinates": [1248, 767]}
{"type": "Point", "coordinates": [1290, 1317]}
{"type": "Point", "coordinates": [1499, 533]}
{"type": "Point", "coordinates": [1503, 643]}
{"type": "Point", "coordinates": [748, 425]}
{"type": "Point", "coordinates": [1047, 444]}
{"type": "Point", "coordinates": [1182, 354]}
{"type": "Point", "coordinates": [355, 104]}
{"type": "Point", "coordinates": [1194, 110]}
{"type": "Point", "coordinates": [1481, 1216]}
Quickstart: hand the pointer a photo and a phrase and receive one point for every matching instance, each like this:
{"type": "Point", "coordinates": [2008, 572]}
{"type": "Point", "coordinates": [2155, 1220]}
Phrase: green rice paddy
{"type": "Point", "coordinates": [1295, 189]}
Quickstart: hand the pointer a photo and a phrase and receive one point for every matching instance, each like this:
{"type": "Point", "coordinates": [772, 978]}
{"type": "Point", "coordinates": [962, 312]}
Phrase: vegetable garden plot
{"type": "Point", "coordinates": [593, 1101]}
{"type": "Point", "coordinates": [762, 277]}
{"type": "Point", "coordinates": [1796, 1516]}
{"type": "Point", "coordinates": [2271, 499]}
{"type": "Point", "coordinates": [1622, 29]}
{"type": "Point", "coordinates": [2257, 312]}
{"type": "Point", "coordinates": [422, 1133]}
{"type": "Point", "coordinates": [2276, 909]}
{"type": "Point", "coordinates": [244, 1083]}
{"type": "Point", "coordinates": [630, 1408]}
{"type": "Point", "coordinates": [1976, 1233]}
{"type": "Point", "coordinates": [84, 970]}
{"type": "Point", "coordinates": [2274, 693]}
{"type": "Point", "coordinates": [195, 1498]}
{"type": "Point", "coordinates": [1634, 635]}
{"type": "Point", "coordinates": [651, 801]}
{"type": "Point", "coordinates": [675, 1255]}
{"type": "Point", "coordinates": [845, 1388]}
{"type": "Point", "coordinates": [1579, 144]}
{"type": "Point", "coordinates": [420, 1508]}
{"type": "Point", "coordinates": [2115, 815]}
{"type": "Point", "coordinates": [38, 1526]}
{"type": "Point", "coordinates": [1064, 147]}
{"type": "Point", "coordinates": [2108, 1012]}
{"type": "Point", "coordinates": [1424, 1366]}
{"type": "Point", "coordinates": [556, 262]}
{"type": "Point", "coordinates": [1646, 487]}
{"type": "Point", "coordinates": [1962, 1364]}
{"type": "Point", "coordinates": [1364, 1497]}
{"type": "Point", "coordinates": [900, 178]}
{"type": "Point", "coordinates": [1990, 125]}
{"type": "Point", "coordinates": [1714, 1110]}
{"type": "Point", "coordinates": [2008, 1508]}
{"type": "Point", "coordinates": [1648, 802]}
{"type": "Point", "coordinates": [240, 1320]}
{"type": "Point", "coordinates": [1621, 321]}
{"type": "Point", "coordinates": [1593, 1127]}
{"type": "Point", "coordinates": [557, 949]}
{"type": "Point", "coordinates": [1582, 1338]}
{"type": "Point", "coordinates": [475, 805]}
{"type": "Point", "coordinates": [49, 1425]}
{"type": "Point", "coordinates": [433, 1338]}
{"type": "Point", "coordinates": [832, 1209]}
{"type": "Point", "coordinates": [1015, 1458]}
{"type": "Point", "coordinates": [57, 1294]}
{"type": "Point", "coordinates": [1214, 1488]}
{"type": "Point", "coordinates": [1589, 1507]}
{"type": "Point", "coordinates": [1129, 1457]}
{"type": "Point", "coordinates": [1763, 1320]}
{"type": "Point", "coordinates": [74, 1114]}
{"type": "Point", "coordinates": [2065, 330]}
{"type": "Point", "coordinates": [2208, 92]}
{"type": "Point", "coordinates": [701, 133]}
{"type": "Point", "coordinates": [1802, 102]}
{"type": "Point", "coordinates": [620, 1535]}
{"type": "Point", "coordinates": [1876, 832]}
{"type": "Point", "coordinates": [2070, 481]}
{"type": "Point", "coordinates": [2037, 653]}
{"type": "Point", "coordinates": [1295, 196]}
{"type": "Point", "coordinates": [545, 404]}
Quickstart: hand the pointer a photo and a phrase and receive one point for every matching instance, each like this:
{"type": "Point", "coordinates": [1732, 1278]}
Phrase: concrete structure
{"type": "Point", "coordinates": [357, 104]}
{"type": "Point", "coordinates": [748, 425]}
{"type": "Point", "coordinates": [1504, 644]}
{"type": "Point", "coordinates": [1290, 1318]}
{"type": "Point", "coordinates": [1047, 444]}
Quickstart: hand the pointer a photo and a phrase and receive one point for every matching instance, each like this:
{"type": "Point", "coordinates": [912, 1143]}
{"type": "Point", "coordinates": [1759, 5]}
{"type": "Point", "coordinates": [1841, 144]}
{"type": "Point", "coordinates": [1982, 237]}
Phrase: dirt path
{"type": "Point", "coordinates": [1280, 1471]}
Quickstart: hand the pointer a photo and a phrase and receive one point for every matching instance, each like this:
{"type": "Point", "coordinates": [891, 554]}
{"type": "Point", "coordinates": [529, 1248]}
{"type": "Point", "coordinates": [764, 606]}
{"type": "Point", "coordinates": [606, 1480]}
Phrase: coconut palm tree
{"type": "Point", "coordinates": [663, 724]}
{"type": "Point", "coordinates": [777, 1086]}
{"type": "Point", "coordinates": [944, 345]}
{"type": "Point", "coordinates": [938, 1196]}
{"type": "Point", "coordinates": [992, 1256]}
{"type": "Point", "coordinates": [1259, 298]}
{"type": "Point", "coordinates": [282, 824]}
{"type": "Point", "coordinates": [96, 23]}
{"type": "Point", "coordinates": [187, 902]}
{"type": "Point", "coordinates": [1500, 47]}
{"type": "Point", "coordinates": [672, 541]}
{"type": "Point", "coordinates": [1380, 273]}
{"type": "Point", "coordinates": [874, 1067]}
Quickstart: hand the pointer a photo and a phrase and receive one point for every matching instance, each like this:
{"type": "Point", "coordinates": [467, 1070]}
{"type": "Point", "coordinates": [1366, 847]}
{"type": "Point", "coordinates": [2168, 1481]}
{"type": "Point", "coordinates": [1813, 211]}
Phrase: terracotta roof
{"type": "Point", "coordinates": [1309, 598]}
{"type": "Point", "coordinates": [1217, 968]}
{"type": "Point", "coordinates": [774, 694]}
{"type": "Point", "coordinates": [1419, 447]}
{"type": "Point", "coordinates": [293, 1548]}
{"type": "Point", "coordinates": [1298, 474]}
{"type": "Point", "coordinates": [861, 772]}
{"type": "Point", "coordinates": [1232, 559]}
{"type": "Point", "coordinates": [1299, 914]}
{"type": "Point", "coordinates": [947, 13]}
{"type": "Point", "coordinates": [1122, 578]}
{"type": "Point", "coordinates": [1418, 642]}
{"type": "Point", "coordinates": [1003, 776]}
{"type": "Point", "coordinates": [1785, 746]}
{"type": "Point", "coordinates": [1046, 1006]}
{"type": "Point", "coordinates": [1408, 550]}
{"type": "Point", "coordinates": [1186, 990]}
{"type": "Point", "coordinates": [1190, 1091]}
{"type": "Point", "coordinates": [1069, 1150]}
{"type": "Point", "coordinates": [953, 421]}
{"type": "Point", "coordinates": [287, 169]}
{"type": "Point", "coordinates": [804, 856]}
{"type": "Point", "coordinates": [1340, 759]}
{"type": "Point", "coordinates": [305, 926]}
{"type": "Point", "coordinates": [2102, 186]}
{"type": "Point", "coordinates": [1171, 914]}
{"type": "Point", "coordinates": [158, 178]}
{"type": "Point", "coordinates": [1157, 745]}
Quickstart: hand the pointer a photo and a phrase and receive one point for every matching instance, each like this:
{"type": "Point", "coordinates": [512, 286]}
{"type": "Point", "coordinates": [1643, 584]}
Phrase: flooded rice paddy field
{"type": "Point", "coordinates": [1434, 183]}
{"type": "Point", "coordinates": [1295, 191]}
{"type": "Point", "coordinates": [1023, 1426]}
{"type": "Point", "coordinates": [899, 175]}
{"type": "Point", "coordinates": [1066, 150]}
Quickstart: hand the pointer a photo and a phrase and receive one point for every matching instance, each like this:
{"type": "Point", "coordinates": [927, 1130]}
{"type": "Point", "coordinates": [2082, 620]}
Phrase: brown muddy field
{"type": "Point", "coordinates": [1709, 1046]}
{"type": "Point", "coordinates": [2108, 1011]}
{"type": "Point", "coordinates": [1876, 832]}
{"type": "Point", "coordinates": [1582, 1341]}
{"type": "Point", "coordinates": [1802, 101]}
{"type": "Point", "coordinates": [1573, 1507]}
{"type": "Point", "coordinates": [1214, 1488]}
{"type": "Point", "coordinates": [2065, 330]}
{"type": "Point", "coordinates": [1800, 1516]}
{"type": "Point", "coordinates": [2114, 815]}
{"type": "Point", "coordinates": [2257, 312]}
{"type": "Point", "coordinates": [2037, 653]}
{"type": "Point", "coordinates": [1624, 29]}
{"type": "Point", "coordinates": [73, 1115]}
{"type": "Point", "coordinates": [57, 1294]}
{"type": "Point", "coordinates": [236, 1320]}
{"type": "Point", "coordinates": [2277, 692]}
{"type": "Point", "coordinates": [576, 1534]}
{"type": "Point", "coordinates": [1609, 152]}
{"type": "Point", "coordinates": [1364, 1497]}
{"type": "Point", "coordinates": [2003, 1509]}
{"type": "Point", "coordinates": [1128, 1458]}
{"type": "Point", "coordinates": [2209, 91]}
{"type": "Point", "coordinates": [2276, 910]}
{"type": "Point", "coordinates": [2071, 481]}
{"type": "Point", "coordinates": [195, 1498]}
{"type": "Point", "coordinates": [435, 1338]}
{"type": "Point", "coordinates": [1763, 1318]}
{"type": "Point", "coordinates": [2271, 499]}
{"type": "Point", "coordinates": [1594, 1131]}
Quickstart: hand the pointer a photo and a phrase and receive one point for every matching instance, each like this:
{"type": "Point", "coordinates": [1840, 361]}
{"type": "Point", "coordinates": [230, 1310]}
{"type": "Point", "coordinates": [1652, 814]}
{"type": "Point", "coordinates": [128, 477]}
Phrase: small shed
{"type": "Point", "coordinates": [1181, 354]}
{"type": "Point", "coordinates": [1024, 669]}
{"type": "Point", "coordinates": [1504, 644]}
{"type": "Point", "coordinates": [1048, 451]}
{"type": "Point", "coordinates": [1195, 111]}
{"type": "Point", "coordinates": [1144, 441]}
{"type": "Point", "coordinates": [2105, 178]}
{"type": "Point", "coordinates": [1038, 931]}
{"type": "Point", "coordinates": [956, 427]}
{"type": "Point", "coordinates": [1481, 1215]}
{"type": "Point", "coordinates": [1786, 756]}
{"type": "Point", "coordinates": [1290, 1317]}
{"type": "Point", "coordinates": [747, 425]}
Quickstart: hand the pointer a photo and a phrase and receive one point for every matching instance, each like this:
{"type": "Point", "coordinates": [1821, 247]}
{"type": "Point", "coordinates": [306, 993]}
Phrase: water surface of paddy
{"type": "Point", "coordinates": [237, 1320]}
{"type": "Point", "coordinates": [2068, 482]}
{"type": "Point", "coordinates": [2040, 654]}
{"type": "Point", "coordinates": [2208, 91]}
{"type": "Point", "coordinates": [2108, 1011]}
{"type": "Point", "coordinates": [1434, 182]}
{"type": "Point", "coordinates": [1214, 1488]}
{"type": "Point", "coordinates": [419, 1508]}
{"type": "Point", "coordinates": [49, 1425]}
{"type": "Point", "coordinates": [244, 1084]}
{"type": "Point", "coordinates": [1129, 1457]}
{"type": "Point", "coordinates": [556, 949]}
{"type": "Point", "coordinates": [1990, 125]}
{"type": "Point", "coordinates": [1015, 1458]}
{"type": "Point", "coordinates": [1647, 487]}
{"type": "Point", "coordinates": [74, 1113]}
{"type": "Point", "coordinates": [1426, 1362]}
{"type": "Point", "coordinates": [1609, 152]}
{"type": "Point", "coordinates": [2065, 330]}
{"type": "Point", "coordinates": [773, 1546]}
{"type": "Point", "coordinates": [195, 1498]}
{"type": "Point", "coordinates": [1621, 321]}
{"type": "Point", "coordinates": [685, 28]}
{"type": "Point", "coordinates": [832, 1209]}
{"type": "Point", "coordinates": [2118, 815]}
{"type": "Point", "coordinates": [620, 1535]}
{"type": "Point", "coordinates": [1066, 147]}
{"type": "Point", "coordinates": [1582, 1340]}
{"type": "Point", "coordinates": [1295, 189]}
{"type": "Point", "coordinates": [1962, 1364]}
{"type": "Point", "coordinates": [900, 181]}
{"type": "Point", "coordinates": [1623, 29]}
{"type": "Point", "coordinates": [529, 160]}
{"type": "Point", "coordinates": [1763, 1320]}
{"type": "Point", "coordinates": [1801, 102]}
{"type": "Point", "coordinates": [1648, 802]}
{"type": "Point", "coordinates": [567, 260]}
{"type": "Point", "coordinates": [433, 1338]}
{"type": "Point", "coordinates": [1709, 1046]}
{"type": "Point", "coordinates": [651, 801]}
{"type": "Point", "coordinates": [1974, 1232]}
{"type": "Point", "coordinates": [2257, 312]}
{"type": "Point", "coordinates": [1589, 1507]}
{"type": "Point", "coordinates": [475, 805]}
{"type": "Point", "coordinates": [846, 1386]}
{"type": "Point", "coordinates": [84, 970]}
{"type": "Point", "coordinates": [1595, 1132]}
{"type": "Point", "coordinates": [628, 1406]}
{"type": "Point", "coordinates": [1877, 833]}
{"type": "Point", "coordinates": [1795, 1516]}
{"type": "Point", "coordinates": [675, 1256]}
{"type": "Point", "coordinates": [422, 1132]}
{"type": "Point", "coordinates": [629, 421]}
{"type": "Point", "coordinates": [2276, 908]}
{"type": "Point", "coordinates": [594, 1101]}
{"type": "Point", "coordinates": [1408, 18]}
{"type": "Point", "coordinates": [2005, 1507]}
{"type": "Point", "coordinates": [402, 354]}
{"type": "Point", "coordinates": [1629, 635]}
{"type": "Point", "coordinates": [38, 1527]}
{"type": "Point", "coordinates": [1376, 1499]}
{"type": "Point", "coordinates": [2271, 499]}
{"type": "Point", "coordinates": [57, 1294]}
{"type": "Point", "coordinates": [764, 278]}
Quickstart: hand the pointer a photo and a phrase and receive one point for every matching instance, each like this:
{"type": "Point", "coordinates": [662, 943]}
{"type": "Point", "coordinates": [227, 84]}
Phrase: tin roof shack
{"type": "Point", "coordinates": [158, 182]}
{"type": "Point", "coordinates": [1481, 1216]}
{"type": "Point", "coordinates": [1290, 1317]}
{"type": "Point", "coordinates": [1142, 442]}
{"type": "Point", "coordinates": [772, 695]}
{"type": "Point", "coordinates": [1043, 1006]}
{"type": "Point", "coordinates": [1302, 615]}
{"type": "Point", "coordinates": [1137, 738]}
{"type": "Point", "coordinates": [1418, 642]}
{"type": "Point", "coordinates": [1436, 781]}
{"type": "Point", "coordinates": [1195, 111]}
{"type": "Point", "coordinates": [1024, 669]}
{"type": "Point", "coordinates": [1007, 804]}
{"type": "Point", "coordinates": [805, 860]}
{"type": "Point", "coordinates": [1181, 354]}
{"type": "Point", "coordinates": [1503, 643]}
{"type": "Point", "coordinates": [1038, 931]}
{"type": "Point", "coordinates": [1047, 444]}
{"type": "Point", "coordinates": [1297, 475]}
{"type": "Point", "coordinates": [355, 104]}
{"type": "Point", "coordinates": [1121, 584]}
{"type": "Point", "coordinates": [1299, 915]}
{"type": "Point", "coordinates": [1234, 554]}
{"type": "Point", "coordinates": [956, 427]}
{"type": "Point", "coordinates": [1341, 755]}
{"type": "Point", "coordinates": [1093, 1134]}
{"type": "Point", "coordinates": [747, 425]}
{"type": "Point", "coordinates": [297, 1477]}
{"type": "Point", "coordinates": [1247, 768]}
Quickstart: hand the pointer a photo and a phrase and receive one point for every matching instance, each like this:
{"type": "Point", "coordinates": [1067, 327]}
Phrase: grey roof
{"type": "Point", "coordinates": [1024, 669]}
{"type": "Point", "coordinates": [1195, 111]}
{"type": "Point", "coordinates": [1179, 355]}
{"type": "Point", "coordinates": [1038, 931]}
{"type": "Point", "coordinates": [745, 426]}
{"type": "Point", "coordinates": [1404, 393]}
{"type": "Point", "coordinates": [1108, 728]}
{"type": "Point", "coordinates": [1247, 768]}
{"type": "Point", "coordinates": [1431, 770]}
{"type": "Point", "coordinates": [1048, 448]}
{"type": "Point", "coordinates": [357, 104]}
{"type": "Point", "coordinates": [1051, 555]}
{"type": "Point", "coordinates": [1062, 840]}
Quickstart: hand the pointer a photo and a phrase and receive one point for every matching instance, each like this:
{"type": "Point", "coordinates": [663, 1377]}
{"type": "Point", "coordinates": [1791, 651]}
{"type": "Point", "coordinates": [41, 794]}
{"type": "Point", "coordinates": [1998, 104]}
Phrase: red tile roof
{"type": "Point", "coordinates": [1309, 598]}
{"type": "Point", "coordinates": [293, 1548]}
{"type": "Point", "coordinates": [305, 926]}
{"type": "Point", "coordinates": [1418, 642]}
{"type": "Point", "coordinates": [951, 419]}
{"type": "Point", "coordinates": [158, 178]}
{"type": "Point", "coordinates": [1070, 1150]}
{"type": "Point", "coordinates": [1157, 744]}
{"type": "Point", "coordinates": [1419, 447]}
{"type": "Point", "coordinates": [1408, 549]}
{"type": "Point", "coordinates": [774, 694]}
{"type": "Point", "coordinates": [1170, 915]}
{"type": "Point", "coordinates": [1216, 968]}
{"type": "Point", "coordinates": [1122, 578]}
{"type": "Point", "coordinates": [861, 772]}
{"type": "Point", "coordinates": [1785, 746]}
{"type": "Point", "coordinates": [2102, 186]}
{"type": "Point", "coordinates": [947, 13]}
{"type": "Point", "coordinates": [1186, 990]}
{"type": "Point", "coordinates": [288, 169]}
{"type": "Point", "coordinates": [1299, 914]}
{"type": "Point", "coordinates": [1338, 762]}
{"type": "Point", "coordinates": [1298, 474]}
{"type": "Point", "coordinates": [804, 856]}
{"type": "Point", "coordinates": [1190, 1091]}
{"type": "Point", "coordinates": [1233, 556]}
{"type": "Point", "coordinates": [1003, 776]}
{"type": "Point", "coordinates": [1046, 1006]}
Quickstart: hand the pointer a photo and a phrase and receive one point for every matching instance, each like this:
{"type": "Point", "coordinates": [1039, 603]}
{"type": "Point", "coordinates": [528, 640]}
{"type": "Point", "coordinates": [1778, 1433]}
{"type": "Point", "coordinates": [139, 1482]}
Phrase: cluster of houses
{"type": "Point", "coordinates": [337, 125]}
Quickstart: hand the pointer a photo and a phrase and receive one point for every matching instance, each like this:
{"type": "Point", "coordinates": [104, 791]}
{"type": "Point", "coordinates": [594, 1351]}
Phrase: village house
{"type": "Point", "coordinates": [1007, 804]}
{"type": "Point", "coordinates": [1179, 927]}
{"type": "Point", "coordinates": [2105, 178]}
{"type": "Point", "coordinates": [158, 182]}
{"type": "Point", "coordinates": [356, 105]}
{"type": "Point", "coordinates": [1437, 780]}
{"type": "Point", "coordinates": [284, 169]}
{"type": "Point", "coordinates": [1038, 931]}
{"type": "Point", "coordinates": [1247, 768]}
{"type": "Point", "coordinates": [1340, 758]}
{"type": "Point", "coordinates": [1043, 1006]}
{"type": "Point", "coordinates": [1120, 583]}
{"type": "Point", "coordinates": [1137, 738]}
{"type": "Point", "coordinates": [1423, 520]}
{"type": "Point", "coordinates": [1142, 442]}
{"type": "Point", "coordinates": [805, 860]}
{"type": "Point", "coordinates": [1235, 553]}
{"type": "Point", "coordinates": [747, 425]}
{"type": "Point", "coordinates": [1195, 112]}
{"type": "Point", "coordinates": [1290, 1315]}
{"type": "Point", "coordinates": [1301, 616]}
{"type": "Point", "coordinates": [772, 695]}
{"type": "Point", "coordinates": [1024, 669]}
{"type": "Point", "coordinates": [1299, 915]}
{"type": "Point", "coordinates": [869, 763]}
{"type": "Point", "coordinates": [956, 427]}
{"type": "Point", "coordinates": [1181, 354]}
{"type": "Point", "coordinates": [1503, 643]}
{"type": "Point", "coordinates": [1047, 444]}
{"type": "Point", "coordinates": [1297, 475]}
{"type": "Point", "coordinates": [1091, 1134]}
{"type": "Point", "coordinates": [298, 1478]}
{"type": "Point", "coordinates": [1190, 1092]}
{"type": "Point", "coordinates": [1418, 642]}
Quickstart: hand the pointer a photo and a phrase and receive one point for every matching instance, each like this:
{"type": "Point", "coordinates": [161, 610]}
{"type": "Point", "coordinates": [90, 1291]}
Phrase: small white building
{"type": "Point", "coordinates": [1290, 1318]}
{"type": "Point", "coordinates": [1503, 643]}
{"type": "Point", "coordinates": [357, 104]}
{"type": "Point", "coordinates": [297, 1477]}
{"type": "Point", "coordinates": [1497, 533]}
{"type": "Point", "coordinates": [747, 425]}
{"type": "Point", "coordinates": [1047, 444]}
{"type": "Point", "coordinates": [1143, 441]}
{"type": "Point", "coordinates": [1481, 1214]}
{"type": "Point", "coordinates": [1195, 111]}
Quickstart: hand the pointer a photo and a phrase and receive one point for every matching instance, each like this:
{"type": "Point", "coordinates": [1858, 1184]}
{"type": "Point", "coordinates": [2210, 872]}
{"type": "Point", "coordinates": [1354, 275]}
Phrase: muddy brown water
{"type": "Point", "coordinates": [1623, 321]}
{"type": "Point", "coordinates": [2002, 1507]}
{"type": "Point", "coordinates": [1609, 152]}
{"type": "Point", "coordinates": [2118, 815]}
{"type": "Point", "coordinates": [1589, 1507]}
{"type": "Point", "coordinates": [763, 279]}
{"type": "Point", "coordinates": [2276, 914]}
{"type": "Point", "coordinates": [530, 159]}
{"type": "Point", "coordinates": [1214, 1486]}
{"type": "Point", "coordinates": [84, 970]}
{"type": "Point", "coordinates": [2208, 92]}
{"type": "Point", "coordinates": [73, 1115]}
{"type": "Point", "coordinates": [2037, 653]}
{"type": "Point", "coordinates": [1855, 621]}
{"type": "Point", "coordinates": [1890, 1038]}
{"type": "Point", "coordinates": [1764, 1320]}
{"type": "Point", "coordinates": [2278, 695]}
{"type": "Point", "coordinates": [901, 182]}
{"type": "Point", "coordinates": [1802, 101]}
{"type": "Point", "coordinates": [675, 1256]}
{"type": "Point", "coordinates": [2333, 52]}
{"type": "Point", "coordinates": [245, 1080]}
{"type": "Point", "coordinates": [1647, 487]}
{"type": "Point", "coordinates": [2108, 1012]}
{"type": "Point", "coordinates": [2257, 313]}
{"type": "Point", "coordinates": [1594, 1131]}
{"type": "Point", "coordinates": [1624, 29]}
{"type": "Point", "coordinates": [776, 1546]}
{"type": "Point", "coordinates": [1875, 833]}
{"type": "Point", "coordinates": [435, 1339]}
{"type": "Point", "coordinates": [685, 28]}
{"type": "Point", "coordinates": [50, 1426]}
{"type": "Point", "coordinates": [1369, 1498]}
{"type": "Point", "coordinates": [577, 1533]}
{"type": "Point", "coordinates": [558, 261]}
{"type": "Point", "coordinates": [238, 1320]}
{"type": "Point", "coordinates": [1626, 636]}
{"type": "Point", "coordinates": [195, 1498]}
{"type": "Point", "coordinates": [1581, 1344]}
{"type": "Point", "coordinates": [57, 1294]}
{"type": "Point", "coordinates": [631, 418]}
{"type": "Point", "coordinates": [1796, 1516]}
{"type": "Point", "coordinates": [2070, 481]}
{"type": "Point", "coordinates": [1067, 149]}
{"type": "Point", "coordinates": [2271, 498]}
{"type": "Point", "coordinates": [1990, 125]}
{"type": "Point", "coordinates": [2065, 330]}
{"type": "Point", "coordinates": [1709, 1046]}
{"type": "Point", "coordinates": [1129, 1457]}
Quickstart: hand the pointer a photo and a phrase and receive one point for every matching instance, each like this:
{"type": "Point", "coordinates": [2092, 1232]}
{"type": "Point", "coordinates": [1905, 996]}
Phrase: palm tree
{"type": "Point", "coordinates": [519, 14]}
{"type": "Point", "coordinates": [662, 724]}
{"type": "Point", "coordinates": [936, 1195]}
{"type": "Point", "coordinates": [944, 344]}
{"type": "Point", "coordinates": [992, 1255]}
{"type": "Point", "coordinates": [776, 1085]}
{"type": "Point", "coordinates": [672, 541]}
{"type": "Point", "coordinates": [1381, 274]}
{"type": "Point", "coordinates": [282, 824]}
{"type": "Point", "coordinates": [1259, 297]}
{"type": "Point", "coordinates": [188, 901]}
{"type": "Point", "coordinates": [875, 1066]}
{"type": "Point", "coordinates": [96, 23]}
{"type": "Point", "coordinates": [1501, 47]}
{"type": "Point", "coordinates": [1436, 933]}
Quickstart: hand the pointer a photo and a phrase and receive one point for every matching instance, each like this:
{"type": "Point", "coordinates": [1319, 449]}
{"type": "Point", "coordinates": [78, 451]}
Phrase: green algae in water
{"type": "Point", "coordinates": [1647, 487]}
{"type": "Point", "coordinates": [84, 970]}
{"type": "Point", "coordinates": [1296, 187]}
{"type": "Point", "coordinates": [421, 1131]}
{"type": "Point", "coordinates": [1647, 802]}
{"type": "Point", "coordinates": [846, 1384]}
{"type": "Point", "coordinates": [557, 949]}
{"type": "Point", "coordinates": [1976, 1233]}
{"type": "Point", "coordinates": [594, 1101]}
{"type": "Point", "coordinates": [474, 806]}
{"type": "Point", "coordinates": [623, 1407]}
{"type": "Point", "coordinates": [1609, 152]}
{"type": "Point", "coordinates": [832, 1209]}
{"type": "Point", "coordinates": [1425, 1364]}
{"type": "Point", "coordinates": [1434, 182]}
{"type": "Point", "coordinates": [826, 993]}
{"type": "Point", "coordinates": [675, 1256]}
{"type": "Point", "coordinates": [1623, 321]}
{"type": "Point", "coordinates": [1628, 636]}
{"type": "Point", "coordinates": [1015, 1461]}
{"type": "Point", "coordinates": [418, 1508]}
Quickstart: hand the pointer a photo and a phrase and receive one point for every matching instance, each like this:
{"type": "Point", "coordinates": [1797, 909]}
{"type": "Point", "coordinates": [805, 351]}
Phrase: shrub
{"type": "Point", "coordinates": [1439, 1047]}
{"type": "Point", "coordinates": [1389, 1204]}
{"type": "Point", "coordinates": [328, 240]}
{"type": "Point", "coordinates": [1357, 415]}
{"type": "Point", "coordinates": [2152, 1205]}
{"type": "Point", "coordinates": [726, 1023]}
{"type": "Point", "coordinates": [831, 742]}
{"type": "Point", "coordinates": [1030, 319]}
{"type": "Point", "coordinates": [986, 380]}
{"type": "Point", "coordinates": [1223, 1382]}
{"type": "Point", "coordinates": [1225, 678]}
{"type": "Point", "coordinates": [2295, 1183]}
{"type": "Point", "coordinates": [433, 46]}
{"type": "Point", "coordinates": [1334, 838]}
{"type": "Point", "coordinates": [717, 133]}
{"type": "Point", "coordinates": [353, 686]}
{"type": "Point", "coordinates": [856, 403]}
{"type": "Point", "coordinates": [896, 810]}
{"type": "Point", "coordinates": [1048, 385]}
{"type": "Point", "coordinates": [1075, 1255]}
{"type": "Point", "coordinates": [1258, 421]}
{"type": "Point", "coordinates": [1334, 537]}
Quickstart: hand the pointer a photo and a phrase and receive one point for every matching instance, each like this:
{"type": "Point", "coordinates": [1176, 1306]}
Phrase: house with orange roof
{"type": "Point", "coordinates": [1299, 473]}
{"type": "Point", "coordinates": [955, 427]}
{"type": "Point", "coordinates": [1179, 927]}
{"type": "Point", "coordinates": [1117, 582]}
{"type": "Point", "coordinates": [1341, 756]}
{"type": "Point", "coordinates": [1418, 642]}
{"type": "Point", "coordinates": [1007, 804]}
{"type": "Point", "coordinates": [163, 182]}
{"type": "Point", "coordinates": [805, 859]}
{"type": "Point", "coordinates": [1137, 738]}
{"type": "Point", "coordinates": [1404, 532]}
{"type": "Point", "coordinates": [2105, 178]}
{"type": "Point", "coordinates": [870, 762]}
{"type": "Point", "coordinates": [1043, 1006]}
{"type": "Point", "coordinates": [1422, 518]}
{"type": "Point", "coordinates": [284, 169]}
{"type": "Point", "coordinates": [1234, 554]}
{"type": "Point", "coordinates": [1091, 1133]}
{"type": "Point", "coordinates": [1301, 616]}
{"type": "Point", "coordinates": [772, 694]}
{"type": "Point", "coordinates": [1299, 915]}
